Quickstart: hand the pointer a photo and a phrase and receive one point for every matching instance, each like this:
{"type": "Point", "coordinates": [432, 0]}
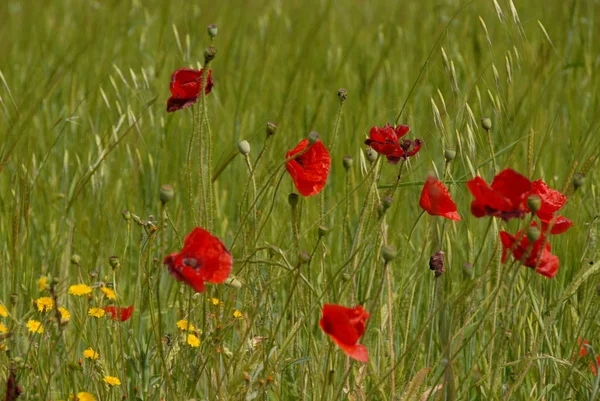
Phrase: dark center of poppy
{"type": "Point", "coordinates": [192, 262]}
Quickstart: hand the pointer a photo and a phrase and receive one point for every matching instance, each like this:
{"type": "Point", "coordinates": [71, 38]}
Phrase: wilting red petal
{"type": "Point", "coordinates": [116, 313]}
{"type": "Point", "coordinates": [311, 169]}
{"type": "Point", "coordinates": [185, 87]}
{"type": "Point", "coordinates": [539, 257]}
{"type": "Point", "coordinates": [504, 198]}
{"type": "Point", "coordinates": [345, 326]}
{"type": "Point", "coordinates": [203, 258]}
{"type": "Point", "coordinates": [436, 200]}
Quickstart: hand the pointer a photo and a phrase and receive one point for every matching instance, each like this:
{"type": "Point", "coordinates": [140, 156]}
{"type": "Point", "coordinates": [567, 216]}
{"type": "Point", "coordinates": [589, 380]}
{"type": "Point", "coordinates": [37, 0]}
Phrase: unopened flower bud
{"type": "Point", "coordinates": [388, 253]}
{"type": "Point", "coordinates": [114, 262]}
{"type": "Point", "coordinates": [533, 234]}
{"type": "Point", "coordinates": [386, 202]}
{"type": "Point", "coordinates": [75, 259]}
{"type": "Point", "coordinates": [303, 257]}
{"type": "Point", "coordinates": [166, 193]}
{"type": "Point", "coordinates": [212, 30]}
{"type": "Point", "coordinates": [534, 203]}
{"type": "Point", "coordinates": [126, 214]}
{"type": "Point", "coordinates": [293, 199]}
{"type": "Point", "coordinates": [209, 54]}
{"type": "Point", "coordinates": [486, 123]}
{"type": "Point", "coordinates": [313, 137]}
{"type": "Point", "coordinates": [371, 155]}
{"type": "Point", "coordinates": [436, 263]}
{"type": "Point", "coordinates": [271, 129]}
{"type": "Point", "coordinates": [348, 162]}
{"type": "Point", "coordinates": [346, 277]}
{"type": "Point", "coordinates": [244, 147]}
{"type": "Point", "coordinates": [468, 270]}
{"type": "Point", "coordinates": [342, 94]}
{"type": "Point", "coordinates": [578, 181]}
{"type": "Point", "coordinates": [323, 231]}
{"type": "Point", "coordinates": [233, 282]}
{"type": "Point", "coordinates": [449, 154]}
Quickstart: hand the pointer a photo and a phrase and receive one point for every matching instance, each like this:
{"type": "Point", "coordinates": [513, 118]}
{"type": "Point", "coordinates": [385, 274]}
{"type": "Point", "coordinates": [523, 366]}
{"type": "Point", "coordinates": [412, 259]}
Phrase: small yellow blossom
{"type": "Point", "coordinates": [109, 292]}
{"type": "Point", "coordinates": [44, 304]}
{"type": "Point", "coordinates": [83, 396]}
{"type": "Point", "coordinates": [183, 325]}
{"type": "Point", "coordinates": [90, 354]}
{"type": "Point", "coordinates": [3, 311]}
{"type": "Point", "coordinates": [96, 312]}
{"type": "Point", "coordinates": [43, 283]}
{"type": "Point", "coordinates": [193, 341]}
{"type": "Point", "coordinates": [2, 347]}
{"type": "Point", "coordinates": [113, 381]}
{"type": "Point", "coordinates": [80, 289]}
{"type": "Point", "coordinates": [3, 328]}
{"type": "Point", "coordinates": [214, 301]}
{"type": "Point", "coordinates": [35, 327]}
{"type": "Point", "coordinates": [65, 315]}
{"type": "Point", "coordinates": [237, 314]}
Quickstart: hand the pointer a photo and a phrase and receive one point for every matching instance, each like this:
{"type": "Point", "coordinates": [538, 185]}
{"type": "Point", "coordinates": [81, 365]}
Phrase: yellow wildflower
{"type": "Point", "coordinates": [90, 354]}
{"type": "Point", "coordinates": [43, 283]}
{"type": "Point", "coordinates": [237, 314]}
{"type": "Point", "coordinates": [184, 325]}
{"type": "Point", "coordinates": [214, 301]}
{"type": "Point", "coordinates": [83, 396]}
{"type": "Point", "coordinates": [96, 312]}
{"type": "Point", "coordinates": [3, 311]}
{"type": "Point", "coordinates": [3, 328]}
{"type": "Point", "coordinates": [80, 289]}
{"type": "Point", "coordinates": [108, 292]}
{"type": "Point", "coordinates": [113, 381]}
{"type": "Point", "coordinates": [65, 315]}
{"type": "Point", "coordinates": [44, 304]}
{"type": "Point", "coordinates": [2, 347]}
{"type": "Point", "coordinates": [193, 341]}
{"type": "Point", "coordinates": [35, 327]}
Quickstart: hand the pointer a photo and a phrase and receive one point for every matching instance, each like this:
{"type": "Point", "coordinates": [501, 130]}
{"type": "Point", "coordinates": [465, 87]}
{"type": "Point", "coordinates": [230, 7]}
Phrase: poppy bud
{"type": "Point", "coordinates": [342, 94]}
{"type": "Point", "coordinates": [468, 270]}
{"type": "Point", "coordinates": [534, 203]}
{"type": "Point", "coordinates": [293, 199]}
{"type": "Point", "coordinates": [114, 262]}
{"type": "Point", "coordinates": [449, 154]}
{"type": "Point", "coordinates": [323, 231]}
{"type": "Point", "coordinates": [271, 129]}
{"type": "Point", "coordinates": [486, 123]}
{"type": "Point", "coordinates": [346, 276]}
{"type": "Point", "coordinates": [371, 155]}
{"type": "Point", "coordinates": [166, 193]}
{"type": "Point", "coordinates": [348, 162]}
{"type": "Point", "coordinates": [533, 234]}
{"type": "Point", "coordinates": [303, 257]}
{"type": "Point", "coordinates": [313, 137]}
{"type": "Point", "coordinates": [388, 253]}
{"type": "Point", "coordinates": [386, 202]}
{"type": "Point", "coordinates": [244, 147]}
{"type": "Point", "coordinates": [212, 30]}
{"type": "Point", "coordinates": [209, 54]}
{"type": "Point", "coordinates": [126, 215]}
{"type": "Point", "coordinates": [578, 181]}
{"type": "Point", "coordinates": [233, 282]}
{"type": "Point", "coordinates": [75, 259]}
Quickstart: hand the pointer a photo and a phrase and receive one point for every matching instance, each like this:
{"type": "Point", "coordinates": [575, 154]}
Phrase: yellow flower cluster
{"type": "Point", "coordinates": [96, 312]}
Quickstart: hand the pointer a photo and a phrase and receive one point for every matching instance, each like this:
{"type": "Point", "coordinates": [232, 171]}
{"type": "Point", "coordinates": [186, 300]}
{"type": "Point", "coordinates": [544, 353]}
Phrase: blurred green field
{"type": "Point", "coordinates": [84, 135]}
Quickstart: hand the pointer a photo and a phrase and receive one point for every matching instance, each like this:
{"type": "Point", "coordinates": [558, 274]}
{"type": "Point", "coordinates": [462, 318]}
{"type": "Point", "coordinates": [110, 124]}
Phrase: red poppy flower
{"type": "Point", "coordinates": [311, 169]}
{"type": "Point", "coordinates": [185, 88]}
{"type": "Point", "coordinates": [504, 198]}
{"type": "Point", "coordinates": [436, 200]}
{"type": "Point", "coordinates": [203, 258]}
{"type": "Point", "coordinates": [539, 257]}
{"type": "Point", "coordinates": [345, 326]}
{"type": "Point", "coordinates": [583, 350]}
{"type": "Point", "coordinates": [116, 313]}
{"type": "Point", "coordinates": [552, 201]}
{"type": "Point", "coordinates": [386, 141]}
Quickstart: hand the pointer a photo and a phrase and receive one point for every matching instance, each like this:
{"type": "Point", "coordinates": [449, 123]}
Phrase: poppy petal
{"type": "Point", "coordinates": [436, 200]}
{"type": "Point", "coordinates": [174, 104]}
{"type": "Point", "coordinates": [552, 200]}
{"type": "Point", "coordinates": [310, 170]}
